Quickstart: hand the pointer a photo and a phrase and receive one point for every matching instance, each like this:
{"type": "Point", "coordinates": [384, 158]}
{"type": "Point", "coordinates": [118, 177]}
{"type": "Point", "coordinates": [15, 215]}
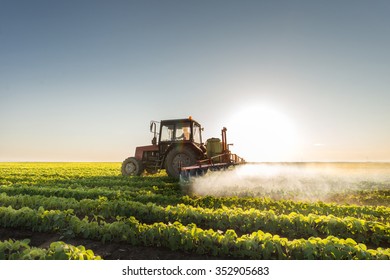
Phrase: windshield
{"type": "Point", "coordinates": [183, 131]}
{"type": "Point", "coordinates": [175, 132]}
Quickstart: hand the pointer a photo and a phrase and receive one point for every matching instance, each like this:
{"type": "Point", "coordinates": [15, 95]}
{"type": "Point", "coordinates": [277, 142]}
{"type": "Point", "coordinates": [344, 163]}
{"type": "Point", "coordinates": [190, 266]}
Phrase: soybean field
{"type": "Point", "coordinates": [90, 211]}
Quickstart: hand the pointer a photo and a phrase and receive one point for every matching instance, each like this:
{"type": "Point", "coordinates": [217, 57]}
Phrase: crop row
{"type": "Point", "coordinates": [111, 183]}
{"type": "Point", "coordinates": [293, 225]}
{"type": "Point", "coordinates": [190, 238]}
{"type": "Point", "coordinates": [90, 193]}
{"type": "Point", "coordinates": [372, 196]}
{"type": "Point", "coordinates": [372, 213]}
{"type": "Point", "coordinates": [70, 175]}
{"type": "Point", "coordinates": [21, 250]}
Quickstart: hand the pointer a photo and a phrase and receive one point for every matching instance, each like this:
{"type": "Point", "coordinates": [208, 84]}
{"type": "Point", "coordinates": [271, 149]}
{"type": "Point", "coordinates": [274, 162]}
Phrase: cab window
{"type": "Point", "coordinates": [167, 132]}
{"type": "Point", "coordinates": [196, 134]}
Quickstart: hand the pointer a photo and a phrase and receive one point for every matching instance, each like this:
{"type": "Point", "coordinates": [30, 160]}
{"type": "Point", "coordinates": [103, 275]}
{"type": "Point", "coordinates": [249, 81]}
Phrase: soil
{"type": "Point", "coordinates": [108, 251]}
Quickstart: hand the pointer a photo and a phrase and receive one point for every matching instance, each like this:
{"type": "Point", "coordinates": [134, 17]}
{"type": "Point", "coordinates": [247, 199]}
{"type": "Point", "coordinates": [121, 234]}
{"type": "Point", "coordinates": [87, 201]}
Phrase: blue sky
{"type": "Point", "coordinates": [80, 80]}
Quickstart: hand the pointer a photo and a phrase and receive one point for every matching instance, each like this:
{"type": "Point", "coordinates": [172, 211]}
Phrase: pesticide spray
{"type": "Point", "coordinates": [297, 181]}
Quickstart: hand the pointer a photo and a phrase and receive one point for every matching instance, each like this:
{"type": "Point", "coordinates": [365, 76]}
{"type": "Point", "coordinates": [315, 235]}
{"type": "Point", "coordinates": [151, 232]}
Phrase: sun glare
{"type": "Point", "coordinates": [262, 134]}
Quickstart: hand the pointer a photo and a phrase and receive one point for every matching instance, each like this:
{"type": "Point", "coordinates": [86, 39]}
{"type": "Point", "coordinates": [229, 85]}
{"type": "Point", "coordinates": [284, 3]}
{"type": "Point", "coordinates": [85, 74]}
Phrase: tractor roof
{"type": "Point", "coordinates": [173, 121]}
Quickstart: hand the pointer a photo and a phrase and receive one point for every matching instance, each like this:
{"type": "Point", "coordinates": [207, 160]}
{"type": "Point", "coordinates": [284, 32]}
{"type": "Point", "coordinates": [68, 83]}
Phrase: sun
{"type": "Point", "coordinates": [261, 133]}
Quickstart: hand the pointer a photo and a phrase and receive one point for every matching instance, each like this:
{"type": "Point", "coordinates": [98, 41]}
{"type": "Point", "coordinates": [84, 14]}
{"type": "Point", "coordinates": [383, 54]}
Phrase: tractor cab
{"type": "Point", "coordinates": [185, 131]}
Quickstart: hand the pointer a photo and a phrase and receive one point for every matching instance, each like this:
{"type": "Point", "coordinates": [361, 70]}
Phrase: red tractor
{"type": "Point", "coordinates": [180, 151]}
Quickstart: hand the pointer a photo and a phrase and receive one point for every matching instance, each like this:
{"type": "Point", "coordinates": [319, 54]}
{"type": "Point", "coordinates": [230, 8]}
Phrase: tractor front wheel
{"type": "Point", "coordinates": [179, 157]}
{"type": "Point", "coordinates": [132, 167]}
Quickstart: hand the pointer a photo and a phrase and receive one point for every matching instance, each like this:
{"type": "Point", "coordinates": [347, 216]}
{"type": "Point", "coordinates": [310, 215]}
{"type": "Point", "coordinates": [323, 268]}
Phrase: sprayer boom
{"type": "Point", "coordinates": [216, 163]}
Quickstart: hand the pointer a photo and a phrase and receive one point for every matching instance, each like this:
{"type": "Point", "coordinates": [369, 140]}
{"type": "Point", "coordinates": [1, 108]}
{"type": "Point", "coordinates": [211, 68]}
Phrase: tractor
{"type": "Point", "coordinates": [178, 148]}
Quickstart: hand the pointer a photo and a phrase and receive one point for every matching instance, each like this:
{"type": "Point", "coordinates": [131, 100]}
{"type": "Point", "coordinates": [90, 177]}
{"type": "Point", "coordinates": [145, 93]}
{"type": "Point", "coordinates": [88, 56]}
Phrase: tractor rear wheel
{"type": "Point", "coordinates": [179, 157]}
{"type": "Point", "coordinates": [132, 167]}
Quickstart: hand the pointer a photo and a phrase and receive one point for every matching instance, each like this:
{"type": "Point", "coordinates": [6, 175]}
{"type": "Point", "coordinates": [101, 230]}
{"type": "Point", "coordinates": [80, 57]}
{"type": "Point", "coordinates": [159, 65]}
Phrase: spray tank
{"type": "Point", "coordinates": [218, 157]}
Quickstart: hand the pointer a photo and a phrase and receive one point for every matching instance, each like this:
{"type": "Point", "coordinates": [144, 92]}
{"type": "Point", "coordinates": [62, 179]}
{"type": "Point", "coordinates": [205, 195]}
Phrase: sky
{"type": "Point", "coordinates": [292, 80]}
